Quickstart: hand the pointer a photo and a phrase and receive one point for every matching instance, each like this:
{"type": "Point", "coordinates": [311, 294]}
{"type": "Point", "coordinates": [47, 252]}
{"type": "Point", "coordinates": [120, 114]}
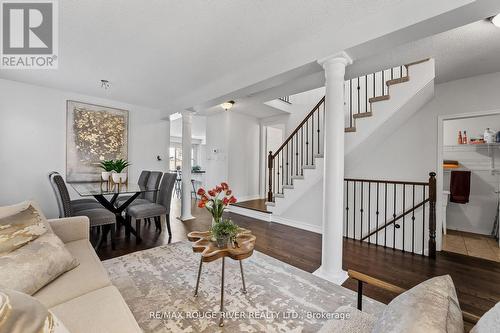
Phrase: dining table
{"type": "Point", "coordinates": [107, 193]}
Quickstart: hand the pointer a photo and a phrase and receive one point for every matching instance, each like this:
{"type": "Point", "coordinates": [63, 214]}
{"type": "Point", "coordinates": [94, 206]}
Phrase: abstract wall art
{"type": "Point", "coordinates": [93, 133]}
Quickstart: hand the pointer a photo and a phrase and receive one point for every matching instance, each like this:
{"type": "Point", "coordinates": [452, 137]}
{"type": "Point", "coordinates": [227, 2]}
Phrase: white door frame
{"type": "Point", "coordinates": [263, 154]}
{"type": "Point", "coordinates": [439, 166]}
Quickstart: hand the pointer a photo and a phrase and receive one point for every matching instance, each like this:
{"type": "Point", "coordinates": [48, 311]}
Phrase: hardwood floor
{"type": "Point", "coordinates": [477, 280]}
{"type": "Point", "coordinates": [257, 204]}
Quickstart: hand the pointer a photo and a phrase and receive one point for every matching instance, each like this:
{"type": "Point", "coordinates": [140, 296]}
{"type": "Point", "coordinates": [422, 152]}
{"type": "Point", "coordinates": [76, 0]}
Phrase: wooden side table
{"type": "Point", "coordinates": [245, 243]}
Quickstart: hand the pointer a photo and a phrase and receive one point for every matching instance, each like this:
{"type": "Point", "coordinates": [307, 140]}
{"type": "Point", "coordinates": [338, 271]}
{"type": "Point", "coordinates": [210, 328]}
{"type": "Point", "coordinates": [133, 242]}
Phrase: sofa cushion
{"type": "Point", "coordinates": [34, 265]}
{"type": "Point", "coordinates": [21, 313]}
{"type": "Point", "coordinates": [489, 322]}
{"type": "Point", "coordinates": [88, 276]}
{"type": "Point", "coordinates": [352, 321]}
{"type": "Point", "coordinates": [102, 310]}
{"type": "Point", "coordinates": [18, 229]}
{"type": "Point", "coordinates": [431, 306]}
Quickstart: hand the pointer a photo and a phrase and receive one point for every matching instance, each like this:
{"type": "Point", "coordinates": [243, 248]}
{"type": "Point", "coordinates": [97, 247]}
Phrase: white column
{"type": "Point", "coordinates": [187, 121]}
{"type": "Point", "coordinates": [333, 178]}
{"type": "Point", "coordinates": [166, 158]}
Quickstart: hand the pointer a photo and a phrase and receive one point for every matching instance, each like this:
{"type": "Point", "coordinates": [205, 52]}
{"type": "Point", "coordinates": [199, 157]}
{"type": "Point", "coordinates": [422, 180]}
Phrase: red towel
{"type": "Point", "coordinates": [460, 186]}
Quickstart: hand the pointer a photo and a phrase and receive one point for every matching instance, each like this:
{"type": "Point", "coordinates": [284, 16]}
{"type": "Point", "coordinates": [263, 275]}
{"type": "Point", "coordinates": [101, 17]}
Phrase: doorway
{"type": "Point", "coordinates": [469, 184]}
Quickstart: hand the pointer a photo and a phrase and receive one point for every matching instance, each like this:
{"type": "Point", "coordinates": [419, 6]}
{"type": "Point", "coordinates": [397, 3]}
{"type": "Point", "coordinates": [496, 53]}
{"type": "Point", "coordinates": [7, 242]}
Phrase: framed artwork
{"type": "Point", "coordinates": [93, 133]}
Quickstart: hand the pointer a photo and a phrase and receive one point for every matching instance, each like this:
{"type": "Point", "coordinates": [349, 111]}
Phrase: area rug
{"type": "Point", "coordinates": [158, 285]}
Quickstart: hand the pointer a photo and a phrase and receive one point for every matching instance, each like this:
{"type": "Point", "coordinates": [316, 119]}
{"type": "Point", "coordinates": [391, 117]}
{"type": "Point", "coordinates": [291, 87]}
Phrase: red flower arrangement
{"type": "Point", "coordinates": [216, 200]}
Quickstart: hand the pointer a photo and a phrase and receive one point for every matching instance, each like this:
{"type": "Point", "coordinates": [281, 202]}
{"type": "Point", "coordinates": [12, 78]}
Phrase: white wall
{"type": "Point", "coordinates": [232, 153]}
{"type": "Point", "coordinates": [33, 140]}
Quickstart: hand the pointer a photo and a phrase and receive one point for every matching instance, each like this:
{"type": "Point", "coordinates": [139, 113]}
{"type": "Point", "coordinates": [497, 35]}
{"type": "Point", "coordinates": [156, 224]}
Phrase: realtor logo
{"type": "Point", "coordinates": [29, 37]}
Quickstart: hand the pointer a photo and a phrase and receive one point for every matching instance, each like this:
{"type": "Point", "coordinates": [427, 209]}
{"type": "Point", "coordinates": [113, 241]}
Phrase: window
{"type": "Point", "coordinates": [175, 157]}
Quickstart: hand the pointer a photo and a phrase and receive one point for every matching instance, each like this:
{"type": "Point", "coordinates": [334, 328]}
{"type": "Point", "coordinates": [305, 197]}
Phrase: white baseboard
{"type": "Point", "coordinates": [297, 224]}
{"type": "Point", "coordinates": [249, 197]}
{"type": "Point", "coordinates": [269, 217]}
{"type": "Point", "coordinates": [250, 213]}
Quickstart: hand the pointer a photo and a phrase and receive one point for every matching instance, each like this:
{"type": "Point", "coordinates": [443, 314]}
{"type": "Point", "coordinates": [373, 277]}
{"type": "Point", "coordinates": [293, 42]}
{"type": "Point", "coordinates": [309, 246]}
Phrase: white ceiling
{"type": "Point", "coordinates": [471, 50]}
{"type": "Point", "coordinates": [173, 54]}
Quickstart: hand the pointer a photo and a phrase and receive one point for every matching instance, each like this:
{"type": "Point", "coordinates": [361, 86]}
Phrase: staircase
{"type": "Point", "coordinates": [376, 104]}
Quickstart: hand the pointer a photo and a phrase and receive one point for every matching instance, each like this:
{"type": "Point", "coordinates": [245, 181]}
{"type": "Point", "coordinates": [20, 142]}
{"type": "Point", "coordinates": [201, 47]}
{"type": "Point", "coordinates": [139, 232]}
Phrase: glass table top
{"type": "Point", "coordinates": [98, 188]}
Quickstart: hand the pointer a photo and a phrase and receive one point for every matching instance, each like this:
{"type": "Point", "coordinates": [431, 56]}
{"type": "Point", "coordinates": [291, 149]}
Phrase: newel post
{"type": "Point", "coordinates": [270, 167]}
{"type": "Point", "coordinates": [432, 215]}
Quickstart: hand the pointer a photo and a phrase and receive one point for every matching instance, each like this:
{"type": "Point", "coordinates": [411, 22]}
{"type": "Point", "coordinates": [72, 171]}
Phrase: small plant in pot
{"type": "Point", "coordinates": [224, 232]}
{"type": "Point", "coordinates": [118, 166]}
{"type": "Point", "coordinates": [108, 166]}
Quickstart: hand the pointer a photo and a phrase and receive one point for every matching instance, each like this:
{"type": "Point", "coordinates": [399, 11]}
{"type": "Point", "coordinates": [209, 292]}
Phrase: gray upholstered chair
{"type": "Point", "coordinates": [148, 197]}
{"type": "Point", "coordinates": [98, 215]}
{"type": "Point", "coordinates": [143, 181]}
{"type": "Point", "coordinates": [75, 204]}
{"type": "Point", "coordinates": [153, 210]}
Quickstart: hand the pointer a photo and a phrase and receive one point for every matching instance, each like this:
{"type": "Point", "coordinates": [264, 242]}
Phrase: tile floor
{"type": "Point", "coordinates": [470, 244]}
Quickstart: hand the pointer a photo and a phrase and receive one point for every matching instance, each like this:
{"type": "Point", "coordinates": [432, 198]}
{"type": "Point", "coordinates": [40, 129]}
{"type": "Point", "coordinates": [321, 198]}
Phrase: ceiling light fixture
{"type": "Point", "coordinates": [496, 20]}
{"type": "Point", "coordinates": [227, 105]}
{"type": "Point", "coordinates": [105, 84]}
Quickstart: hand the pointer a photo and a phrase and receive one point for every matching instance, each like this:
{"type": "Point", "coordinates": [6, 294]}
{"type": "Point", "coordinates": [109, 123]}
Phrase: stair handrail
{"type": "Point", "coordinates": [290, 137]}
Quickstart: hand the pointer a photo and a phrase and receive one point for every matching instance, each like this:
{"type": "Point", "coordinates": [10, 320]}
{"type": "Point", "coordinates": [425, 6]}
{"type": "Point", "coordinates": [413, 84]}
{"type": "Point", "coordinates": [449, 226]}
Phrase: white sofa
{"type": "Point", "coordinates": [84, 298]}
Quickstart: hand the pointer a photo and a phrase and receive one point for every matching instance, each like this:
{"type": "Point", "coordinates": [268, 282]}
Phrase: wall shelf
{"type": "Point", "coordinates": [472, 147]}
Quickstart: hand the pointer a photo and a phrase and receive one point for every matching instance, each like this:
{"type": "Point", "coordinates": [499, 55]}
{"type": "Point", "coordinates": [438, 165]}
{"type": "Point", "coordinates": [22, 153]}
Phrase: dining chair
{"type": "Point", "coordinates": [98, 215]}
{"type": "Point", "coordinates": [76, 203]}
{"type": "Point", "coordinates": [142, 181]}
{"type": "Point", "coordinates": [152, 182]}
{"type": "Point", "coordinates": [153, 210]}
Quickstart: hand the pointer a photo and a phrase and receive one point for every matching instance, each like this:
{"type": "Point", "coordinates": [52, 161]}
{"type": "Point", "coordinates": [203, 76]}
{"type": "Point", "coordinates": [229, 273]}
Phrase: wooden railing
{"type": "Point", "coordinates": [298, 151]}
{"type": "Point", "coordinates": [395, 214]}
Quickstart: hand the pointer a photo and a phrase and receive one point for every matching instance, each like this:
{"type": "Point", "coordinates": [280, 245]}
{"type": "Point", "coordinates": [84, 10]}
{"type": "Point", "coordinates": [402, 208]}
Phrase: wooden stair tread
{"type": "Point", "coordinates": [397, 81]}
{"type": "Point", "coordinates": [350, 129]}
{"type": "Point", "coordinates": [379, 98]}
{"type": "Point", "coordinates": [362, 115]}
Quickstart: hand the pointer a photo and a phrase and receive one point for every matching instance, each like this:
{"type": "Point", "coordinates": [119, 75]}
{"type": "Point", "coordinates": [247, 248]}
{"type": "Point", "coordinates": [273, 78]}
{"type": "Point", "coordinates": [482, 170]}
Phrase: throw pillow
{"type": "Point", "coordinates": [20, 313]}
{"type": "Point", "coordinates": [489, 322]}
{"type": "Point", "coordinates": [32, 266]}
{"type": "Point", "coordinates": [431, 306]}
{"type": "Point", "coordinates": [18, 229]}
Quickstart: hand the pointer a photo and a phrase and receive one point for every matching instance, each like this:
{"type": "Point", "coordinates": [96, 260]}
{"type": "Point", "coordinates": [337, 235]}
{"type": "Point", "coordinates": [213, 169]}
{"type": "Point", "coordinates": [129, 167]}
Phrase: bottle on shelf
{"type": "Point", "coordinates": [488, 136]}
{"type": "Point", "coordinates": [465, 140]}
{"type": "Point", "coordinates": [460, 141]}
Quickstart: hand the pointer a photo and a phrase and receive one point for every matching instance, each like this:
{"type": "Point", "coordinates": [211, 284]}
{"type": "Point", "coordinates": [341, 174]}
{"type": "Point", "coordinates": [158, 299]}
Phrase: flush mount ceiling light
{"type": "Point", "coordinates": [105, 84]}
{"type": "Point", "coordinates": [227, 105]}
{"type": "Point", "coordinates": [496, 20]}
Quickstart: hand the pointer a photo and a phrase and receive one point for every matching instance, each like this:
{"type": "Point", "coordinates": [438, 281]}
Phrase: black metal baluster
{"type": "Point", "coordinates": [286, 176]}
{"type": "Point", "coordinates": [282, 172]}
{"type": "Point", "coordinates": [392, 73]}
{"type": "Point", "coordinates": [423, 221]}
{"type": "Point", "coordinates": [354, 212]}
{"type": "Point", "coordinates": [385, 212]}
{"type": "Point", "coordinates": [307, 142]}
{"type": "Point", "coordinates": [312, 140]}
{"type": "Point", "coordinates": [297, 155]}
{"type": "Point", "coordinates": [347, 211]}
{"type": "Point", "coordinates": [413, 223]}
{"type": "Point", "coordinates": [291, 161]}
{"type": "Point", "coordinates": [369, 210]}
{"type": "Point", "coordinates": [377, 213]}
{"type": "Point", "coordinates": [394, 217]}
{"type": "Point", "coordinates": [374, 84]}
{"type": "Point", "coordinates": [400, 71]}
{"type": "Point", "coordinates": [274, 177]}
{"type": "Point", "coordinates": [359, 88]}
{"type": "Point", "coordinates": [319, 140]}
{"type": "Point", "coordinates": [361, 213]}
{"type": "Point", "coordinates": [302, 152]}
{"type": "Point", "coordinates": [404, 204]}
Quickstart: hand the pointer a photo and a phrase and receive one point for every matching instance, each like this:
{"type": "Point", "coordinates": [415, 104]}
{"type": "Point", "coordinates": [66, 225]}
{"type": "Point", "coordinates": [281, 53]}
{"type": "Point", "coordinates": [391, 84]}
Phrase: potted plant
{"type": "Point", "coordinates": [216, 200]}
{"type": "Point", "coordinates": [224, 232]}
{"type": "Point", "coordinates": [118, 166]}
{"type": "Point", "coordinates": [108, 167]}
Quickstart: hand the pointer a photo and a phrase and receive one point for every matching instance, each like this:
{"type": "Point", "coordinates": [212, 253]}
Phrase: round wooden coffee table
{"type": "Point", "coordinates": [243, 249]}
